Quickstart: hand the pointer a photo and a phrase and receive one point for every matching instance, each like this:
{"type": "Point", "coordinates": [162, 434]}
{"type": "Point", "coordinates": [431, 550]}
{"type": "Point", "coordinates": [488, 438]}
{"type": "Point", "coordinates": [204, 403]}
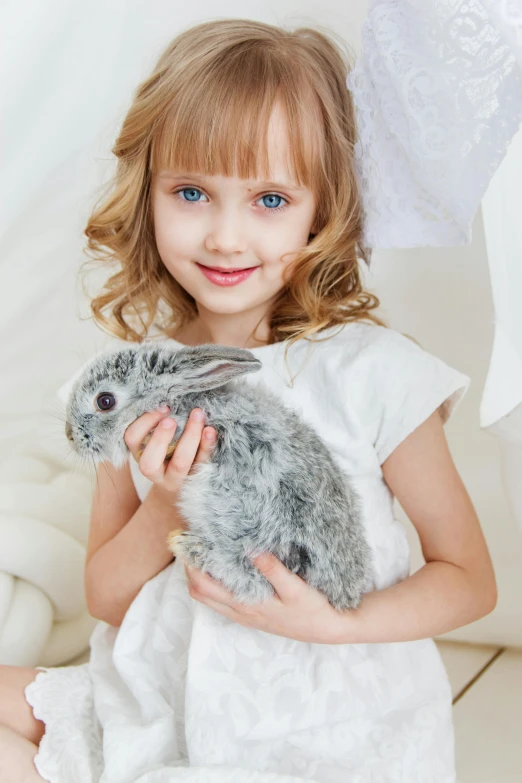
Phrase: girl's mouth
{"type": "Point", "coordinates": [225, 278]}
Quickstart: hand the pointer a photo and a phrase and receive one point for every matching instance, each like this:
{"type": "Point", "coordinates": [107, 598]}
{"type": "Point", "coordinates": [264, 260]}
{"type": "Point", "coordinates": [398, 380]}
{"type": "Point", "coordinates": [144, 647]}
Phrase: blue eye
{"type": "Point", "coordinates": [274, 207]}
{"type": "Point", "coordinates": [273, 202]}
{"type": "Point", "coordinates": [192, 192]}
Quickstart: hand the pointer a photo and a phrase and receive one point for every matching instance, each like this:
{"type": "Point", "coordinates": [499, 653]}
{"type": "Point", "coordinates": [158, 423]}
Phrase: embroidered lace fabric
{"type": "Point", "coordinates": [71, 748]}
{"type": "Point", "coordinates": [438, 97]}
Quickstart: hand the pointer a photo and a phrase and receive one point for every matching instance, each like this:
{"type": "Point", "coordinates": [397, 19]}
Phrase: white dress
{"type": "Point", "coordinates": [180, 692]}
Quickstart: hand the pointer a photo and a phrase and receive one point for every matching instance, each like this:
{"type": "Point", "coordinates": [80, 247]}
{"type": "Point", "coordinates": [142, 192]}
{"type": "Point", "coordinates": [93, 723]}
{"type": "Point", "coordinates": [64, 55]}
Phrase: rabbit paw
{"type": "Point", "coordinates": [184, 544]}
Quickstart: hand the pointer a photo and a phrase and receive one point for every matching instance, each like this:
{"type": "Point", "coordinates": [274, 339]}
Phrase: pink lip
{"type": "Point", "coordinates": [225, 270]}
{"type": "Point", "coordinates": [224, 279]}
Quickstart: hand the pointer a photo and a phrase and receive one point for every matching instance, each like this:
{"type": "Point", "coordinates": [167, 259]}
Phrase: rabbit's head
{"type": "Point", "coordinates": [116, 388]}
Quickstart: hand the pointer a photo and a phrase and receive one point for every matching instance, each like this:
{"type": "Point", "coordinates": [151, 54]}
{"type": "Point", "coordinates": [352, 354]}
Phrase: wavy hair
{"type": "Point", "coordinates": [205, 108]}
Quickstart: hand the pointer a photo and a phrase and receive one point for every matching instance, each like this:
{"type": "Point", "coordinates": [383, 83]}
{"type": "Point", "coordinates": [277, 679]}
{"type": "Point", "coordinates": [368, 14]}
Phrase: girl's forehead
{"type": "Point", "coordinates": [279, 180]}
{"type": "Point", "coordinates": [262, 149]}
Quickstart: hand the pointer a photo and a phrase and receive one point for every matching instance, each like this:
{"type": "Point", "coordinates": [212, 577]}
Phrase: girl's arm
{"type": "Point", "coordinates": [128, 539]}
{"type": "Point", "coordinates": [457, 584]}
{"type": "Point", "coordinates": [118, 569]}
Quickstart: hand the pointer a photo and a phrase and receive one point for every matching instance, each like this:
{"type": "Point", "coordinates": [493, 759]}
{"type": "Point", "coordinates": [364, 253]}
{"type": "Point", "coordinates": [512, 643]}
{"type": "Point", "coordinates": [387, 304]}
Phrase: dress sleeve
{"type": "Point", "coordinates": [438, 97]}
{"type": "Point", "coordinates": [405, 385]}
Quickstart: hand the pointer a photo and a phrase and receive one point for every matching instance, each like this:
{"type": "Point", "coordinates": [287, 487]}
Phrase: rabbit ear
{"type": "Point", "coordinates": [204, 367]}
{"type": "Point", "coordinates": [208, 366]}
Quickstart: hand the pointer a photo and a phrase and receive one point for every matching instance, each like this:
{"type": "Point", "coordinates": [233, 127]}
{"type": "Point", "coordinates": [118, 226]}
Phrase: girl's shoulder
{"type": "Point", "coordinates": [370, 347]}
{"type": "Point", "coordinates": [366, 343]}
{"type": "Point", "coordinates": [391, 383]}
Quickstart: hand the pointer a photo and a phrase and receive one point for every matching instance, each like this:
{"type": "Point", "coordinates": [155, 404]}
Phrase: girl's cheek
{"type": "Point", "coordinates": [174, 236]}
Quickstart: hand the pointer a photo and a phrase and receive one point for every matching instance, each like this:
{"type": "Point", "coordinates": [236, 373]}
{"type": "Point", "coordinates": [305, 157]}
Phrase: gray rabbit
{"type": "Point", "coordinates": [270, 484]}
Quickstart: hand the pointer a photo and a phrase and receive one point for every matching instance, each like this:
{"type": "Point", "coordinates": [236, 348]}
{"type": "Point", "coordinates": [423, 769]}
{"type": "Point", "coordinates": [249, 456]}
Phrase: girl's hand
{"type": "Point", "coordinates": [195, 445]}
{"type": "Point", "coordinates": [297, 611]}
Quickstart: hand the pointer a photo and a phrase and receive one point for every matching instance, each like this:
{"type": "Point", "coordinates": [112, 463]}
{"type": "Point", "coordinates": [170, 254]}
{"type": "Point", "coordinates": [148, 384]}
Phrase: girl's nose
{"type": "Point", "coordinates": [226, 236]}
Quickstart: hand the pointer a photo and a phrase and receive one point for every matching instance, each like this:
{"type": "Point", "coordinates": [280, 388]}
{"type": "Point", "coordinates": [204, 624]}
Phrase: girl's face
{"type": "Point", "coordinates": [226, 223]}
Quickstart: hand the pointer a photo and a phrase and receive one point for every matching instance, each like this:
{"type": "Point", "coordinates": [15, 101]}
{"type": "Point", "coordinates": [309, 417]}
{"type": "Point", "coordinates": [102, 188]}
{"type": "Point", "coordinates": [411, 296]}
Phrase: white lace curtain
{"type": "Point", "coordinates": [438, 95]}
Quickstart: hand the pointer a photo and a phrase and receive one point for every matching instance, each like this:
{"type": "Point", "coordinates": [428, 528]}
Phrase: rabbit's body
{"type": "Point", "coordinates": [270, 484]}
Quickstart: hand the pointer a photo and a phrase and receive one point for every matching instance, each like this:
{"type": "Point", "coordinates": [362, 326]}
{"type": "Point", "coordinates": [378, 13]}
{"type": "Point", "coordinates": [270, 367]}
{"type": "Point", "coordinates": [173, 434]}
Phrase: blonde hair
{"type": "Point", "coordinates": [205, 108]}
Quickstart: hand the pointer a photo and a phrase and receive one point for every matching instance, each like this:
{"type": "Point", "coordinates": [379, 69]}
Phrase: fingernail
{"type": "Point", "coordinates": [164, 408]}
{"type": "Point", "coordinates": [198, 414]}
{"type": "Point", "coordinates": [167, 423]}
{"type": "Point", "coordinates": [210, 435]}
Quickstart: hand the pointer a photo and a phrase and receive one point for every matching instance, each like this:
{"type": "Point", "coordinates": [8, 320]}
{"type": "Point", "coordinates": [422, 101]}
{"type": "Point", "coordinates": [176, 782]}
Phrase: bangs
{"type": "Point", "coordinates": [218, 121]}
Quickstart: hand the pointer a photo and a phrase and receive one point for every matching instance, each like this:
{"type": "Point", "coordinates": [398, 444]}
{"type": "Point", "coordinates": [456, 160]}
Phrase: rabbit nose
{"type": "Point", "coordinates": [68, 431]}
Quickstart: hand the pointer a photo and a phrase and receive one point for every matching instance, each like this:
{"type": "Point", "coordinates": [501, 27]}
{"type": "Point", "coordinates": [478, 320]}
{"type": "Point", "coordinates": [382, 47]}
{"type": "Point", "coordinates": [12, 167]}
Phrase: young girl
{"type": "Point", "coordinates": [236, 219]}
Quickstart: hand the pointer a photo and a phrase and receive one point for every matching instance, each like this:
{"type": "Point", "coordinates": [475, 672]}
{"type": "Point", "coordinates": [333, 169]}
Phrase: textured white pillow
{"type": "Point", "coordinates": [44, 521]}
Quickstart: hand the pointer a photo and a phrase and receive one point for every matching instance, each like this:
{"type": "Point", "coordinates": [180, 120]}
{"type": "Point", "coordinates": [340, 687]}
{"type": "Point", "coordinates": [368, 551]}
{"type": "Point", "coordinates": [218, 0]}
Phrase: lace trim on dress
{"type": "Point", "coordinates": [70, 750]}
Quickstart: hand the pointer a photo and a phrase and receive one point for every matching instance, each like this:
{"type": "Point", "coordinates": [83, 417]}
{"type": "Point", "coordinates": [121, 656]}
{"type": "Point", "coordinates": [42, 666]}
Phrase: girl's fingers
{"type": "Point", "coordinates": [151, 461]}
{"type": "Point", "coordinates": [187, 447]}
{"type": "Point", "coordinates": [136, 432]}
{"type": "Point", "coordinates": [157, 430]}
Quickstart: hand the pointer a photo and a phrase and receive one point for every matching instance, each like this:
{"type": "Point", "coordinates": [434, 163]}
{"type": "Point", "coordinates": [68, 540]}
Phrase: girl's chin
{"type": "Point", "coordinates": [232, 305]}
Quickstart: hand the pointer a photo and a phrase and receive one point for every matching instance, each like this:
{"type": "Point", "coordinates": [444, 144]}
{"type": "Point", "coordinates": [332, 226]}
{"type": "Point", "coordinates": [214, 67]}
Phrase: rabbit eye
{"type": "Point", "coordinates": [105, 401]}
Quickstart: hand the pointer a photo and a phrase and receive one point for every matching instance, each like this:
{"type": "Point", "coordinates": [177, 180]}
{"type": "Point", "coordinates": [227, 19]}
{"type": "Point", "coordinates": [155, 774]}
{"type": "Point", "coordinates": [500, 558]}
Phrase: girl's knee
{"type": "Point", "coordinates": [15, 711]}
{"type": "Point", "coordinates": [17, 758]}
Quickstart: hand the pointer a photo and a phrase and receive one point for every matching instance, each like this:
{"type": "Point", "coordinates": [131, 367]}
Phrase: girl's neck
{"type": "Point", "coordinates": [195, 333]}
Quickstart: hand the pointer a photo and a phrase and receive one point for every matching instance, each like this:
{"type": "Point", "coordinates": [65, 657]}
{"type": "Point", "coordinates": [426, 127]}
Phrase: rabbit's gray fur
{"type": "Point", "coordinates": [269, 485]}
